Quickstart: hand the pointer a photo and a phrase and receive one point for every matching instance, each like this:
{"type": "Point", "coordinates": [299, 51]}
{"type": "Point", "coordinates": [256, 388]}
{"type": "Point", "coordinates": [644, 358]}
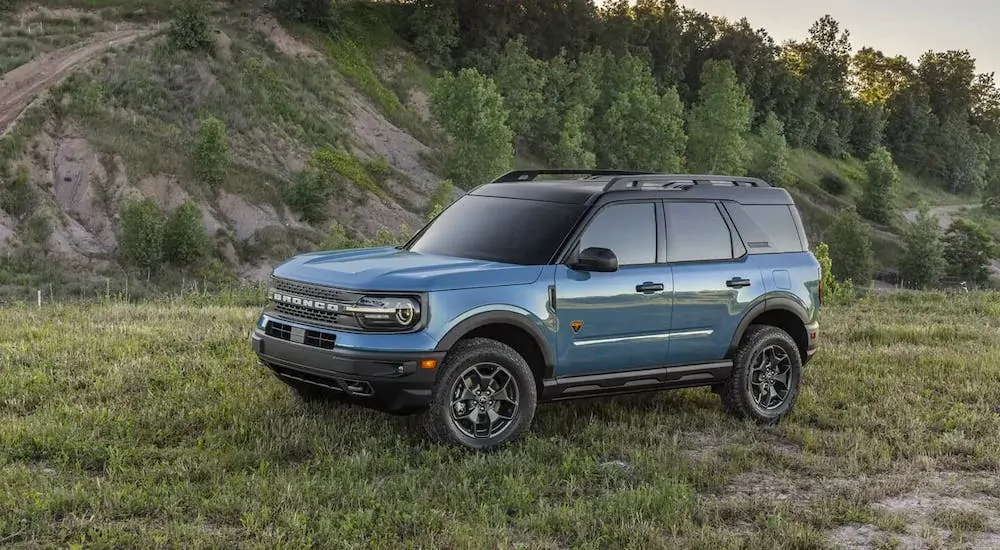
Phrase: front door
{"type": "Point", "coordinates": [621, 320]}
{"type": "Point", "coordinates": [715, 282]}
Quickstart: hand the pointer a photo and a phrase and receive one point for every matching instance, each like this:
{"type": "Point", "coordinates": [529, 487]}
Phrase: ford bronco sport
{"type": "Point", "coordinates": [529, 290]}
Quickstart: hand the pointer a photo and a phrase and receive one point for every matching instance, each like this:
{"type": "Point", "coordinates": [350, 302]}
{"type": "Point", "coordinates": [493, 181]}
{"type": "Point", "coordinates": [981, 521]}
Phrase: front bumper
{"type": "Point", "coordinates": [388, 381]}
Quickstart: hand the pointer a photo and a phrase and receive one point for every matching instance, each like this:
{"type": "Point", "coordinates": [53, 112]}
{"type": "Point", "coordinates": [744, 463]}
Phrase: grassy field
{"type": "Point", "coordinates": [152, 426]}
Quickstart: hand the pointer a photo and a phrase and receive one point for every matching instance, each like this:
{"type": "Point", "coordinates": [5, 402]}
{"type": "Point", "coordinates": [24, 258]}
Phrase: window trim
{"type": "Point", "coordinates": [734, 236]}
{"type": "Point", "coordinates": [565, 255]}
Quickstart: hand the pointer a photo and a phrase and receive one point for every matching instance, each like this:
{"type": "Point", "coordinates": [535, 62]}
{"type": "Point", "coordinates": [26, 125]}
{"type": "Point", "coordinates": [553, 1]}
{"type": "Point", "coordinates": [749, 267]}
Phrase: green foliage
{"type": "Point", "coordinates": [922, 263]}
{"type": "Point", "coordinates": [37, 229]}
{"type": "Point", "coordinates": [189, 29]}
{"type": "Point", "coordinates": [338, 239]}
{"type": "Point", "coordinates": [470, 108]}
{"type": "Point", "coordinates": [211, 151]}
{"type": "Point", "coordinates": [140, 234]}
{"type": "Point", "coordinates": [958, 155]}
{"type": "Point", "coordinates": [877, 203]}
{"type": "Point", "coordinates": [868, 129]}
{"type": "Point", "coordinates": [834, 183]}
{"type": "Point", "coordinates": [563, 137]}
{"type": "Point", "coordinates": [644, 130]}
{"type": "Point", "coordinates": [185, 241]}
{"type": "Point", "coordinates": [309, 194]}
{"type": "Point", "coordinates": [432, 29]}
{"type": "Point", "coordinates": [18, 197]}
{"type": "Point", "coordinates": [330, 162]}
{"type": "Point", "coordinates": [522, 80]}
{"type": "Point", "coordinates": [834, 292]}
{"type": "Point", "coordinates": [718, 122]}
{"type": "Point", "coordinates": [379, 170]}
{"type": "Point", "coordinates": [317, 13]}
{"type": "Point", "coordinates": [440, 199]}
{"type": "Point", "coordinates": [850, 244]}
{"type": "Point", "coordinates": [968, 249]}
{"type": "Point", "coordinates": [772, 161]}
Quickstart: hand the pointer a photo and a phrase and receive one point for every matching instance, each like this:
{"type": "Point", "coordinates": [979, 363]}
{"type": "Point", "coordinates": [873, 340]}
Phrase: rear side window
{"type": "Point", "coordinates": [628, 230]}
{"type": "Point", "coordinates": [696, 231]}
{"type": "Point", "coordinates": [767, 228]}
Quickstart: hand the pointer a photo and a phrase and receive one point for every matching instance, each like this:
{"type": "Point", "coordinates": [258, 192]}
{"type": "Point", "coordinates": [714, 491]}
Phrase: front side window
{"type": "Point", "coordinates": [696, 231]}
{"type": "Point", "coordinates": [628, 230]}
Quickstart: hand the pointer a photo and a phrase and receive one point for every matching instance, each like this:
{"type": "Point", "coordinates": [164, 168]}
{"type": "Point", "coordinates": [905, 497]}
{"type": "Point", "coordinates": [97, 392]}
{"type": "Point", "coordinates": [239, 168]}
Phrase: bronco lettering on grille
{"type": "Point", "coordinates": [304, 302]}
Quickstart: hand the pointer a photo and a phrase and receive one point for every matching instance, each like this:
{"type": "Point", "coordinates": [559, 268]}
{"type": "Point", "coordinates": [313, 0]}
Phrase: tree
{"type": "Point", "coordinates": [470, 108]}
{"type": "Point", "coordinates": [968, 250]}
{"type": "Point", "coordinates": [318, 13]}
{"type": "Point", "coordinates": [211, 151]}
{"type": "Point", "coordinates": [645, 129]}
{"type": "Point", "coordinates": [521, 80]}
{"type": "Point", "coordinates": [772, 161]}
{"type": "Point", "coordinates": [922, 263]}
{"type": "Point", "coordinates": [184, 238]}
{"type": "Point", "coordinates": [140, 235]}
{"type": "Point", "coordinates": [717, 124]}
{"type": "Point", "coordinates": [18, 197]}
{"type": "Point", "coordinates": [877, 203]}
{"type": "Point", "coordinates": [878, 77]}
{"type": "Point", "coordinates": [868, 130]}
{"type": "Point", "coordinates": [190, 29]}
{"type": "Point", "coordinates": [959, 155]}
{"type": "Point", "coordinates": [850, 247]}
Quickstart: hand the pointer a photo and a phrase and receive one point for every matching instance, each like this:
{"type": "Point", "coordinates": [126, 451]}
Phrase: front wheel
{"type": "Point", "coordinates": [767, 368]}
{"type": "Point", "coordinates": [485, 396]}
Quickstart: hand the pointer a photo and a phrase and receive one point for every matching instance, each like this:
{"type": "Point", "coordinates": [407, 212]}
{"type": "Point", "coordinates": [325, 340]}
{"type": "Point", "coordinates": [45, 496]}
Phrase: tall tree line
{"type": "Point", "coordinates": [937, 116]}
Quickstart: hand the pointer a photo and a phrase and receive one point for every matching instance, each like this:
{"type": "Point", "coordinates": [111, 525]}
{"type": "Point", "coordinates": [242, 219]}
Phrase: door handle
{"type": "Point", "coordinates": [649, 287]}
{"type": "Point", "coordinates": [737, 282]}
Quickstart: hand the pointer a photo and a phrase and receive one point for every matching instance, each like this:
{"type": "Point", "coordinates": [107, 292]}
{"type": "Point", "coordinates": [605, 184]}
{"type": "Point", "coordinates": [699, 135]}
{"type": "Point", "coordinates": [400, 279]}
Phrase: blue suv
{"type": "Point", "coordinates": [534, 289]}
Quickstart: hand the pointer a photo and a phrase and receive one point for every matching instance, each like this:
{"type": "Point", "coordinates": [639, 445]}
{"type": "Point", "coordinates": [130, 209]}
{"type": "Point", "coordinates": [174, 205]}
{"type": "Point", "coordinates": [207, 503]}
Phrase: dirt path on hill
{"type": "Point", "coordinates": [23, 84]}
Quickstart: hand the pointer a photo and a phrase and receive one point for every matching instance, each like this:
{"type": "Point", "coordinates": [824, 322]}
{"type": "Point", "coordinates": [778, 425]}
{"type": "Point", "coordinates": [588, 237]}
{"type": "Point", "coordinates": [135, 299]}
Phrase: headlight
{"type": "Point", "coordinates": [386, 312]}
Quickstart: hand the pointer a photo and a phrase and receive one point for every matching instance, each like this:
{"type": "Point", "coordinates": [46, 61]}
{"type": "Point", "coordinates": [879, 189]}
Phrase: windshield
{"type": "Point", "coordinates": [516, 231]}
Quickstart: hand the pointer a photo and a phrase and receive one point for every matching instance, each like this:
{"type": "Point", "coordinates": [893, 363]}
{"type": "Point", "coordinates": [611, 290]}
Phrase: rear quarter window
{"type": "Point", "coordinates": [767, 228]}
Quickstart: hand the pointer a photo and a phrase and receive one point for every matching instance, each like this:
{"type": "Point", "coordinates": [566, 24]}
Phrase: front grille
{"type": "Point", "coordinates": [308, 337]}
{"type": "Point", "coordinates": [311, 315]}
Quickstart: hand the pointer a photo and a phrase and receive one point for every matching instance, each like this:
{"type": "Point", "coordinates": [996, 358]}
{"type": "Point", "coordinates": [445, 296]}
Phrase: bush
{"type": "Point", "coordinates": [185, 241]}
{"type": "Point", "coordinates": [140, 238]}
{"type": "Point", "coordinates": [19, 198]}
{"type": "Point", "coordinates": [922, 263]}
{"type": "Point", "coordinates": [211, 151]}
{"type": "Point", "coordinates": [190, 29]}
{"type": "Point", "coordinates": [834, 292]}
{"type": "Point", "coordinates": [308, 195]}
{"type": "Point", "coordinates": [834, 183]}
{"type": "Point", "coordinates": [850, 247]}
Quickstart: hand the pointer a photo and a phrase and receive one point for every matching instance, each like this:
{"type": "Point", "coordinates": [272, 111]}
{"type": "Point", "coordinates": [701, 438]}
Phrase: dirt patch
{"type": "Point", "coordinates": [32, 13]}
{"type": "Point", "coordinates": [382, 138]}
{"type": "Point", "coordinates": [21, 85]}
{"type": "Point", "coordinates": [246, 218]}
{"type": "Point", "coordinates": [223, 45]}
{"type": "Point", "coordinates": [419, 101]}
{"type": "Point", "coordinates": [285, 42]}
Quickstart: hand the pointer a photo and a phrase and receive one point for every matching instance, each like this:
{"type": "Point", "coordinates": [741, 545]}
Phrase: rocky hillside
{"type": "Point", "coordinates": [111, 116]}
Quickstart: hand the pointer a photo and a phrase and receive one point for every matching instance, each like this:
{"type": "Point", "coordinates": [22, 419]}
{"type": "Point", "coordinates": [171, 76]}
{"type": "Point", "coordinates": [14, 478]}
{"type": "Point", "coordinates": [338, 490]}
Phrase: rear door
{"type": "Point", "coordinates": [714, 281]}
{"type": "Point", "coordinates": [616, 321]}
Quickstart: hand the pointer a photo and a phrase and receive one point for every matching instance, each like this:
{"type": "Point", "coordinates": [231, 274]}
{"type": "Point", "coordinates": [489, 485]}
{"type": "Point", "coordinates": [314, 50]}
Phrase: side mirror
{"type": "Point", "coordinates": [595, 259]}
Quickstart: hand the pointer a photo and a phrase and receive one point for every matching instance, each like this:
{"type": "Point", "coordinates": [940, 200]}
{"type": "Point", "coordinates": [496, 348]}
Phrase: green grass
{"type": "Point", "coordinates": [142, 425]}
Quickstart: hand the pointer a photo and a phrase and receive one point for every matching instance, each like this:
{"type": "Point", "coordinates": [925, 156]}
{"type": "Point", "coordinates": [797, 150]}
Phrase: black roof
{"type": "Point", "coordinates": [595, 184]}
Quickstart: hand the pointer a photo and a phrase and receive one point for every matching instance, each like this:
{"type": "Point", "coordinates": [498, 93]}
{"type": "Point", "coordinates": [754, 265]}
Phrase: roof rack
{"type": "Point", "coordinates": [531, 175]}
{"type": "Point", "coordinates": [680, 181]}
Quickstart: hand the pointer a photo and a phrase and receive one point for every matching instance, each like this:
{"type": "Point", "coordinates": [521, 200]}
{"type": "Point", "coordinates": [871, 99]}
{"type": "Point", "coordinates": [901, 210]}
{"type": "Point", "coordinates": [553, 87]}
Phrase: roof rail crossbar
{"type": "Point", "coordinates": [680, 181]}
{"type": "Point", "coordinates": [531, 175]}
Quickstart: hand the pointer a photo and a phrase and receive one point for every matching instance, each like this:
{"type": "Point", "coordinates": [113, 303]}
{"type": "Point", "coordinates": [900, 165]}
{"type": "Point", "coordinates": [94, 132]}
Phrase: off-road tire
{"type": "Point", "coordinates": [466, 354]}
{"type": "Point", "coordinates": [737, 399]}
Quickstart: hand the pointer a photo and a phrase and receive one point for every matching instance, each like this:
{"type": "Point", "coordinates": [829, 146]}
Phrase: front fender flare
{"type": "Point", "coordinates": [508, 317]}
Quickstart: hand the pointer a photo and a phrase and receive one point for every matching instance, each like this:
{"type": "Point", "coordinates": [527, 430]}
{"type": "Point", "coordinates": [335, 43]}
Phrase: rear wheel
{"type": "Point", "coordinates": [767, 368]}
{"type": "Point", "coordinates": [485, 396]}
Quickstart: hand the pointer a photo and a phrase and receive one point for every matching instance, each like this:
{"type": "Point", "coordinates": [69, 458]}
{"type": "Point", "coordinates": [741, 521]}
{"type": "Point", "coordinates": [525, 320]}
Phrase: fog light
{"type": "Point", "coordinates": [400, 369]}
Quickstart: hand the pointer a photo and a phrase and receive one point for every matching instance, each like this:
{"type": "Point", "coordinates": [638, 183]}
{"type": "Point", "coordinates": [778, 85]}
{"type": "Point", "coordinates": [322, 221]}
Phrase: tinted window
{"type": "Point", "coordinates": [767, 228]}
{"type": "Point", "coordinates": [628, 230]}
{"type": "Point", "coordinates": [498, 229]}
{"type": "Point", "coordinates": [696, 231]}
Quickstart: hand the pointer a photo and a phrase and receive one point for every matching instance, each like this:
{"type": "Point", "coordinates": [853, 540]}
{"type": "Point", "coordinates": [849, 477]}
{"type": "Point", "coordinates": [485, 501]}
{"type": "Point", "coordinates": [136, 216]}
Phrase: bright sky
{"type": "Point", "coordinates": [907, 27]}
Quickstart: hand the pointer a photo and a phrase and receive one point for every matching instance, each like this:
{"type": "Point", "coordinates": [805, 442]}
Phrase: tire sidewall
{"type": "Point", "coordinates": [769, 337]}
{"type": "Point", "coordinates": [468, 356]}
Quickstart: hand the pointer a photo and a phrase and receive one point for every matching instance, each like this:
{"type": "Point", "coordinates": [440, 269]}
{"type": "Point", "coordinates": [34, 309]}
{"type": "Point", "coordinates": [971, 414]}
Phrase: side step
{"type": "Point", "coordinates": [624, 382]}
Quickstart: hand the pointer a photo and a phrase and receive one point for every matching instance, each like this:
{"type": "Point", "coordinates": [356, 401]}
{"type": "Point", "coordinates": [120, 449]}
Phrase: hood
{"type": "Point", "coordinates": [392, 269]}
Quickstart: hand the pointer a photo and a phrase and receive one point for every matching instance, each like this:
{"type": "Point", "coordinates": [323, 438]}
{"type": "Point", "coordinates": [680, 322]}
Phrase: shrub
{"type": "Point", "coordinates": [140, 238]}
{"type": "Point", "coordinates": [19, 198]}
{"type": "Point", "coordinates": [190, 29]}
{"type": "Point", "coordinates": [308, 195]}
{"type": "Point", "coordinates": [185, 240]}
{"type": "Point", "coordinates": [850, 247]}
{"type": "Point", "coordinates": [834, 292]}
{"type": "Point", "coordinates": [211, 151]}
{"type": "Point", "coordinates": [834, 183]}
